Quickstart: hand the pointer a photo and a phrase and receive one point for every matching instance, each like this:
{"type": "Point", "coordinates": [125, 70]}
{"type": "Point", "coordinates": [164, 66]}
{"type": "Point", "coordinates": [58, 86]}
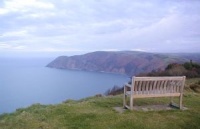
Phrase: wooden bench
{"type": "Point", "coordinates": [145, 87]}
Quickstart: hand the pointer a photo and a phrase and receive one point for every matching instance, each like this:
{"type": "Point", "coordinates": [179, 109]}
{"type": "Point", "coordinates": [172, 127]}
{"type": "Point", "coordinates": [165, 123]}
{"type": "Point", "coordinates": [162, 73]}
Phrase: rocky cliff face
{"type": "Point", "coordinates": [124, 62]}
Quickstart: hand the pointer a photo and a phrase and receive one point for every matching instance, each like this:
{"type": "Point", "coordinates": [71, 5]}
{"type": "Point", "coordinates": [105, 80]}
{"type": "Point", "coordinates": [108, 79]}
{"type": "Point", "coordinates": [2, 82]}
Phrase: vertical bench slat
{"type": "Point", "coordinates": [139, 87]}
{"type": "Point", "coordinates": [154, 87]}
{"type": "Point", "coordinates": [144, 87]}
{"type": "Point", "coordinates": [168, 86]}
{"type": "Point", "coordinates": [148, 87]}
{"type": "Point", "coordinates": [136, 87]}
{"type": "Point", "coordinates": [165, 87]}
{"type": "Point", "coordinates": [177, 86]}
{"type": "Point", "coordinates": [174, 87]}
{"type": "Point", "coordinates": [180, 86]}
{"type": "Point", "coordinates": [158, 87]}
{"type": "Point", "coordinates": [175, 82]}
{"type": "Point", "coordinates": [161, 87]}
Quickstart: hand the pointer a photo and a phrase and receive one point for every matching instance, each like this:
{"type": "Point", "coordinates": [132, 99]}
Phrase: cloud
{"type": "Point", "coordinates": [4, 45]}
{"type": "Point", "coordinates": [24, 6]}
{"type": "Point", "coordinates": [75, 25]}
{"type": "Point", "coordinates": [3, 11]}
{"type": "Point", "coordinates": [59, 50]}
{"type": "Point", "coordinates": [20, 33]}
{"type": "Point", "coordinates": [20, 47]}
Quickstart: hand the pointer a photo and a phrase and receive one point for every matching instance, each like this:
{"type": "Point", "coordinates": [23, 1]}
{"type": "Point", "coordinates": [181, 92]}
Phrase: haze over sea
{"type": "Point", "coordinates": [25, 81]}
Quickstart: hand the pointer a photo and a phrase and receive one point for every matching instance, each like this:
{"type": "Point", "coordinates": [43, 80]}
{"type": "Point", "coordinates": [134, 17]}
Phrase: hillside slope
{"type": "Point", "coordinates": [98, 113]}
{"type": "Point", "coordinates": [123, 62]}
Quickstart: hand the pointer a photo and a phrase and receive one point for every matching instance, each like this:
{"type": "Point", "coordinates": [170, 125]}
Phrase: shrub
{"type": "Point", "coordinates": [192, 74]}
{"type": "Point", "coordinates": [195, 88]}
{"type": "Point", "coordinates": [115, 90]}
{"type": "Point", "coordinates": [188, 65]}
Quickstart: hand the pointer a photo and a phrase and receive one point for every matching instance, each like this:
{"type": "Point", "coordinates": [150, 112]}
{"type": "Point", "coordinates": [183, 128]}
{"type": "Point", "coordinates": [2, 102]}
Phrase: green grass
{"type": "Point", "coordinates": [98, 113]}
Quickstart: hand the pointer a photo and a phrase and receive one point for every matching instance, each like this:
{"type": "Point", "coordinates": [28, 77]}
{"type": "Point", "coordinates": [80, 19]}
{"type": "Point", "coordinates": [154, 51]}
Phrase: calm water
{"type": "Point", "coordinates": [24, 82]}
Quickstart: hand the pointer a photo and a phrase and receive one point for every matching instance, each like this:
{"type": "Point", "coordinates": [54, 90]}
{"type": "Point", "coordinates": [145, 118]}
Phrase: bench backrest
{"type": "Point", "coordinates": [158, 85]}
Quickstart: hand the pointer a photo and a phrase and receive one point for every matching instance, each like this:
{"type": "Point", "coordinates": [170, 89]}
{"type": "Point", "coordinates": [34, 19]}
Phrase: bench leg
{"type": "Point", "coordinates": [124, 98]}
{"type": "Point", "coordinates": [171, 101]}
{"type": "Point", "coordinates": [180, 102]}
{"type": "Point", "coordinates": [124, 101]}
{"type": "Point", "coordinates": [131, 102]}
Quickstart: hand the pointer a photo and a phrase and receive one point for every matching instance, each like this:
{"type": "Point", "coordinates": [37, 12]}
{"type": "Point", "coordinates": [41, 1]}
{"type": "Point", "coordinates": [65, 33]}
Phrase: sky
{"type": "Point", "coordinates": [47, 27]}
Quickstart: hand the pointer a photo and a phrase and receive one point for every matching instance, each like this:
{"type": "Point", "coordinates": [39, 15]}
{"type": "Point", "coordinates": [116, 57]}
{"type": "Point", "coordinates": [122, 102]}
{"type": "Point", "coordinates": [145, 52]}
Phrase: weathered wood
{"type": "Point", "coordinates": [155, 95]}
{"type": "Point", "coordinates": [145, 87]}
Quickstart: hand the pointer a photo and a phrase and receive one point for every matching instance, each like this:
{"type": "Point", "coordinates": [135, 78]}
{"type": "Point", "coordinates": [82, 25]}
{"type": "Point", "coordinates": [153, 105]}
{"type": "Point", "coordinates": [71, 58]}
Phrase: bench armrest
{"type": "Point", "coordinates": [128, 85]}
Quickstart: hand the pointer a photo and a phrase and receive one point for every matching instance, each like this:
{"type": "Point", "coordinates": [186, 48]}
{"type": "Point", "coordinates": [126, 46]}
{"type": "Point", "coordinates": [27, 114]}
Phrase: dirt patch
{"type": "Point", "coordinates": [150, 108]}
{"type": "Point", "coordinates": [195, 87]}
{"type": "Point", "coordinates": [119, 109]}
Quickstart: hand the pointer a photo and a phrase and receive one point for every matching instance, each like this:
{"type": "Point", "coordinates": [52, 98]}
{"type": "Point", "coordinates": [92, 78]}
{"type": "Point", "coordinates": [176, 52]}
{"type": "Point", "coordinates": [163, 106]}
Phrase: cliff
{"type": "Point", "coordinates": [123, 62]}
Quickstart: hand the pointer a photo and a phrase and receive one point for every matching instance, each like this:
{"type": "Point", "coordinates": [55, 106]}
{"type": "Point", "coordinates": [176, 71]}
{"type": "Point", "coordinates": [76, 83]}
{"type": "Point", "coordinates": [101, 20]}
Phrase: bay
{"type": "Point", "coordinates": [24, 82]}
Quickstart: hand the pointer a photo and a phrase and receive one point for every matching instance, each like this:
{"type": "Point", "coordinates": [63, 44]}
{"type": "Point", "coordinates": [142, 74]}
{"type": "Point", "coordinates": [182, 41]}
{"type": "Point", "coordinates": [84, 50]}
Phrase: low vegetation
{"type": "Point", "coordinates": [188, 69]}
{"type": "Point", "coordinates": [98, 113]}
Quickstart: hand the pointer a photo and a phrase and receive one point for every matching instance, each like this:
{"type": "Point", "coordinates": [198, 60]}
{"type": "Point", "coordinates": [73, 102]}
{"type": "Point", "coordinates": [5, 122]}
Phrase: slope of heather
{"type": "Point", "coordinates": [123, 62]}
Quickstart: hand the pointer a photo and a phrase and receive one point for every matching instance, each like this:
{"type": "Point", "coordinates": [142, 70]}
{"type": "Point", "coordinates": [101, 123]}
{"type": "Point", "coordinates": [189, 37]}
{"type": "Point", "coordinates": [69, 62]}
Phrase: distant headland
{"type": "Point", "coordinates": [122, 62]}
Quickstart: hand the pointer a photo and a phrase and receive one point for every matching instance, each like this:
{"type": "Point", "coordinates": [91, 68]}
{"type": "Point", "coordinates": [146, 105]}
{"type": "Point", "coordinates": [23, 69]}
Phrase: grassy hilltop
{"type": "Point", "coordinates": [98, 113]}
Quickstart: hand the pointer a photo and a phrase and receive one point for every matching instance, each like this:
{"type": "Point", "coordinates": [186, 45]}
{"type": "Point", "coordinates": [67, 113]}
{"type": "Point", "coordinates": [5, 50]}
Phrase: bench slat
{"type": "Point", "coordinates": [139, 87]}
{"type": "Point", "coordinates": [158, 78]}
{"type": "Point", "coordinates": [165, 86]}
{"type": "Point", "coordinates": [155, 95]}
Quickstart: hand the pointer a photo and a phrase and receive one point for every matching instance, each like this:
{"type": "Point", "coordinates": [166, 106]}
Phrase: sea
{"type": "Point", "coordinates": [27, 81]}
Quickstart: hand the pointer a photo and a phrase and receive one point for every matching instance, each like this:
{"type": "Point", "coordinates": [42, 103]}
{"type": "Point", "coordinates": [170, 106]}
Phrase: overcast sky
{"type": "Point", "coordinates": [80, 26]}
